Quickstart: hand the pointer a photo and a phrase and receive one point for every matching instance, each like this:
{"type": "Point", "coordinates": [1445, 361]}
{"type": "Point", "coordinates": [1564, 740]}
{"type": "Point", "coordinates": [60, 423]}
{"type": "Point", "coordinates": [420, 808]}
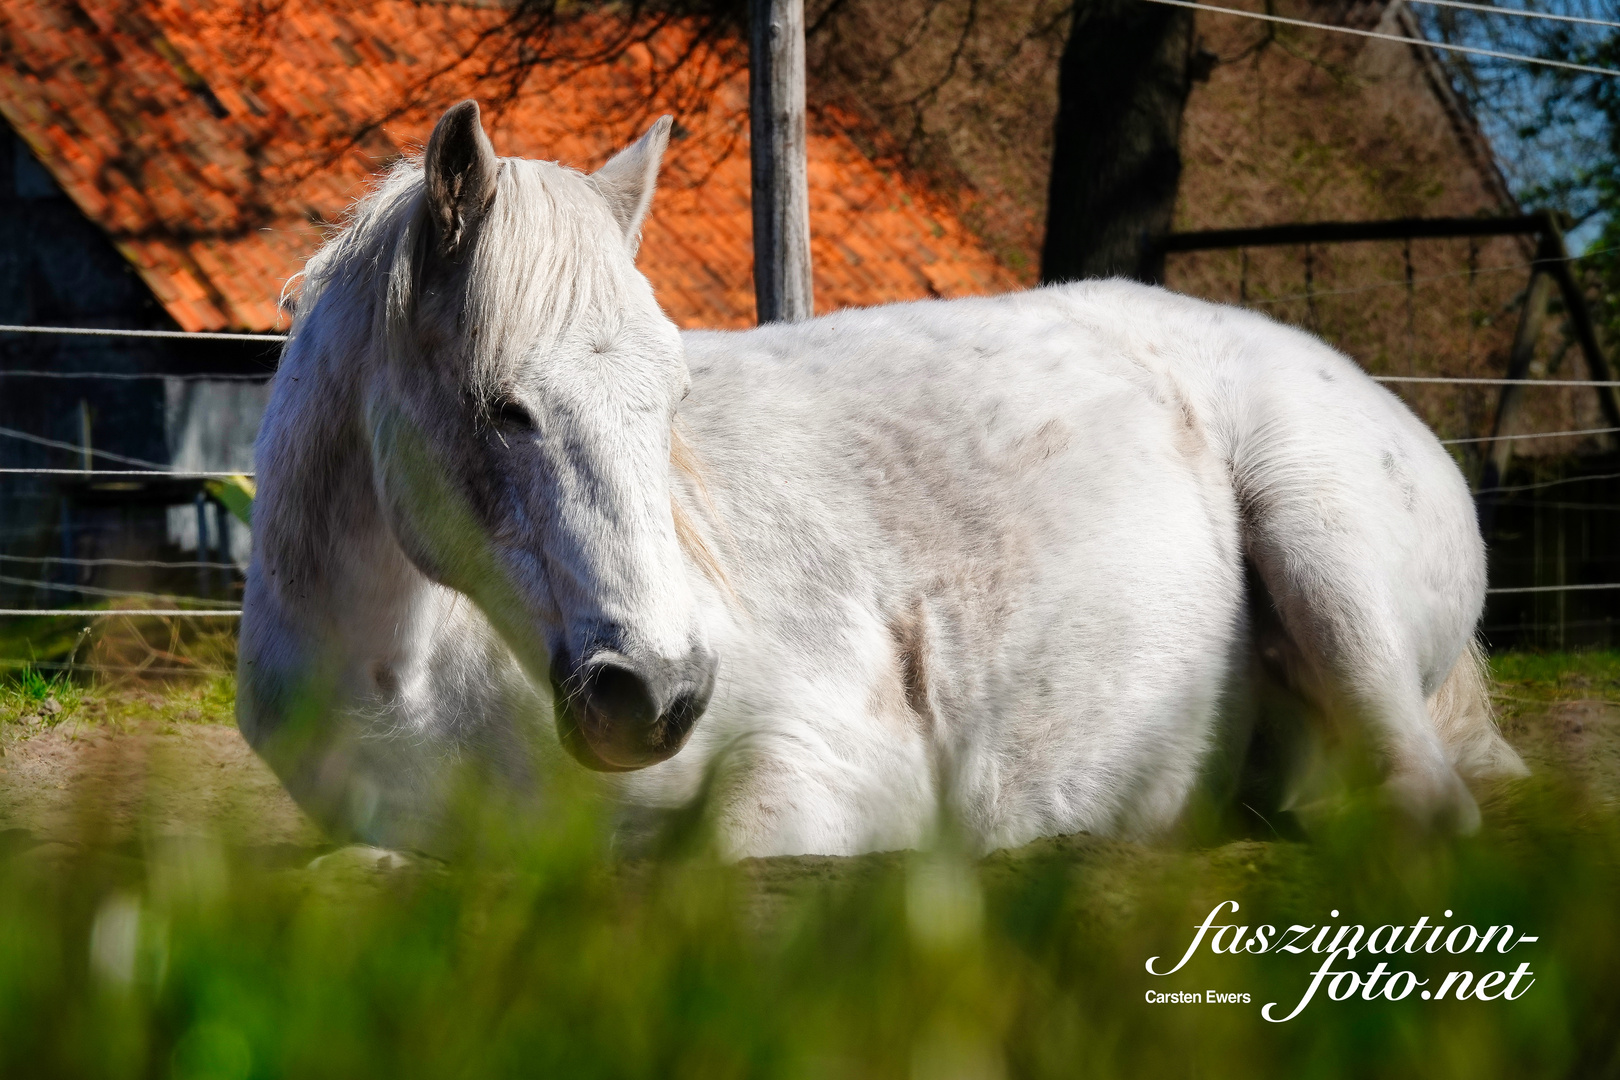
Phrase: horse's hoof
{"type": "Point", "coordinates": [361, 858]}
{"type": "Point", "coordinates": [1441, 803]}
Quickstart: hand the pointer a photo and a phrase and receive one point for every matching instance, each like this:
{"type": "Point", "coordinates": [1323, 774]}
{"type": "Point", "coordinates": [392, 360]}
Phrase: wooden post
{"type": "Point", "coordinates": [782, 285]}
{"type": "Point", "coordinates": [1523, 352]}
{"type": "Point", "coordinates": [1499, 451]}
{"type": "Point", "coordinates": [204, 578]}
{"type": "Point", "coordinates": [1580, 321]}
{"type": "Point", "coordinates": [84, 435]}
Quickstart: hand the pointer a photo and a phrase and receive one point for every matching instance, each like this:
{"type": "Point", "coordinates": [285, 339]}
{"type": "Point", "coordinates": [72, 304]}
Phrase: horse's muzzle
{"type": "Point", "coordinates": [615, 714]}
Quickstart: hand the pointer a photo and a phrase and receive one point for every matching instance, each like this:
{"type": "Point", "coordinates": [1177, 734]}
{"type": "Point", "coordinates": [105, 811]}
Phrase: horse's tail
{"type": "Point", "coordinates": [1461, 711]}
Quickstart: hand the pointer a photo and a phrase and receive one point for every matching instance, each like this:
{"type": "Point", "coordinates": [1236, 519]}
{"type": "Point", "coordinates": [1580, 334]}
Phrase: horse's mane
{"type": "Point", "coordinates": [688, 464]}
{"type": "Point", "coordinates": [344, 281]}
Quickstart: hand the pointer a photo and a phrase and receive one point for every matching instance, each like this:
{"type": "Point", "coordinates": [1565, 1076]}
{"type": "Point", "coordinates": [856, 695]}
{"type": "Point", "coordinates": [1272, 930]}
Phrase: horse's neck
{"type": "Point", "coordinates": [327, 551]}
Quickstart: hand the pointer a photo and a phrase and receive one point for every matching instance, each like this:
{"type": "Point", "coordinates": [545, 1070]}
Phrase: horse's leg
{"type": "Point", "coordinates": [809, 746]}
{"type": "Point", "coordinates": [1265, 735]}
{"type": "Point", "coordinates": [1352, 654]}
{"type": "Point", "coordinates": [789, 791]}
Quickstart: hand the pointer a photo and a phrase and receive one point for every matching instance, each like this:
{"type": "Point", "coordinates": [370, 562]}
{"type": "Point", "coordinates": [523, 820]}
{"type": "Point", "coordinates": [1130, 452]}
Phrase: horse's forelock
{"type": "Point", "coordinates": [548, 263]}
{"type": "Point", "coordinates": [546, 259]}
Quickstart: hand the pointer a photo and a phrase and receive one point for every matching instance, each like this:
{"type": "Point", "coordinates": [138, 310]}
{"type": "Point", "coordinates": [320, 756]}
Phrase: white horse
{"type": "Point", "coordinates": [1034, 557]}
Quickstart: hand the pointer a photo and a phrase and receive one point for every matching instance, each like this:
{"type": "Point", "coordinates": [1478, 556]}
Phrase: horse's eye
{"type": "Point", "coordinates": [511, 415]}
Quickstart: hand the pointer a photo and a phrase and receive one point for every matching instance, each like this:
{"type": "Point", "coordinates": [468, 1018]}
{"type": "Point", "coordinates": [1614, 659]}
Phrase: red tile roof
{"type": "Point", "coordinates": [213, 142]}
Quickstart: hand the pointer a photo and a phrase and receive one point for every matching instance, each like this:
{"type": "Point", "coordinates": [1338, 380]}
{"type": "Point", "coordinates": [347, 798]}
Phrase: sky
{"type": "Point", "coordinates": [1512, 98]}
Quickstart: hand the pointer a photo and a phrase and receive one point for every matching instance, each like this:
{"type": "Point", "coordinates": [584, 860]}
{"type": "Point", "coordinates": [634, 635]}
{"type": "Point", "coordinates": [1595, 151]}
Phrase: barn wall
{"type": "Point", "coordinates": [58, 269]}
{"type": "Point", "coordinates": [1556, 526]}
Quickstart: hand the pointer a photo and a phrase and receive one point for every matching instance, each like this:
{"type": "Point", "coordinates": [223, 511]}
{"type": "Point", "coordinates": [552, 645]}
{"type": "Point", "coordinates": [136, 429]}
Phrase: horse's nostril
{"type": "Point", "coordinates": [688, 705]}
{"type": "Point", "coordinates": [618, 717]}
{"type": "Point", "coordinates": [620, 695]}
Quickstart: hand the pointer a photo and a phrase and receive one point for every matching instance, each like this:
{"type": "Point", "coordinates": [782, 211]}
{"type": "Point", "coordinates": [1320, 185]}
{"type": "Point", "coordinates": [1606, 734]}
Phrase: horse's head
{"type": "Point", "coordinates": [520, 414]}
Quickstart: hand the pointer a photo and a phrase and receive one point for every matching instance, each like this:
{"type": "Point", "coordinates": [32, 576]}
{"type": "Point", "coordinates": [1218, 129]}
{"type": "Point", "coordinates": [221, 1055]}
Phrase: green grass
{"type": "Point", "coordinates": [539, 954]}
{"type": "Point", "coordinates": [29, 694]}
{"type": "Point", "coordinates": [26, 641]}
{"type": "Point", "coordinates": [117, 645]}
{"type": "Point", "coordinates": [1560, 674]}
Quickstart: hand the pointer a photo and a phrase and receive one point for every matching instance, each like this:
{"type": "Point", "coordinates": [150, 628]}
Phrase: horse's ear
{"type": "Point", "coordinates": [627, 181]}
{"type": "Point", "coordinates": [460, 169]}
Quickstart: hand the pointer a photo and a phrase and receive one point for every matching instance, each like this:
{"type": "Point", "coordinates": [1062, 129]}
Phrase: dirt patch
{"type": "Point", "coordinates": [1577, 739]}
{"type": "Point", "coordinates": [141, 766]}
{"type": "Point", "coordinates": [135, 766]}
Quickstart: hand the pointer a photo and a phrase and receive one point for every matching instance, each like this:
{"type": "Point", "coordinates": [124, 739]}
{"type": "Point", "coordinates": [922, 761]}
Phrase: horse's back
{"type": "Point", "coordinates": [1064, 486]}
{"type": "Point", "coordinates": [1296, 432]}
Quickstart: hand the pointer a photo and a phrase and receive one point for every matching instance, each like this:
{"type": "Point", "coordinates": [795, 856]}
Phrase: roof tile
{"type": "Point", "coordinates": [318, 94]}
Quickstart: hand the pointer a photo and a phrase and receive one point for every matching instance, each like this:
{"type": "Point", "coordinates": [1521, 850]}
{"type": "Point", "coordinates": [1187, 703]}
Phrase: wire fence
{"type": "Point", "coordinates": [117, 332]}
{"type": "Point", "coordinates": [106, 474]}
{"type": "Point", "coordinates": [134, 376]}
{"type": "Point", "coordinates": [1516, 436]}
{"type": "Point", "coordinates": [1403, 39]}
{"type": "Point", "coordinates": [1542, 485]}
{"type": "Point", "coordinates": [156, 605]}
{"type": "Point", "coordinates": [114, 669]}
{"type": "Point", "coordinates": [107, 613]}
{"type": "Point", "coordinates": [113, 594]}
{"type": "Point", "coordinates": [203, 608]}
{"type": "Point", "coordinates": [78, 448]}
{"type": "Point", "coordinates": [140, 564]}
{"type": "Point", "coordinates": [1406, 282]}
{"type": "Point", "coordinates": [1521, 13]}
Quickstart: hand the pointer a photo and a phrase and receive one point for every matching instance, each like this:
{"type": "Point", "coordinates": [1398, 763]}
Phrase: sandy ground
{"type": "Point", "coordinates": [132, 766]}
{"type": "Point", "coordinates": [1578, 738]}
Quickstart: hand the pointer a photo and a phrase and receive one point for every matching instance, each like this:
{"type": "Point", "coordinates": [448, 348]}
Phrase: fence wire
{"type": "Point", "coordinates": [1400, 38]}
{"type": "Point", "coordinates": [142, 564]}
{"type": "Point", "coordinates": [116, 594]}
{"type": "Point", "coordinates": [101, 613]}
{"type": "Point", "coordinates": [220, 609]}
{"type": "Point", "coordinates": [116, 332]}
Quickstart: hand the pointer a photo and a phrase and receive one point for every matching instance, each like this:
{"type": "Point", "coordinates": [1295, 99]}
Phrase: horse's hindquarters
{"type": "Point", "coordinates": [1362, 530]}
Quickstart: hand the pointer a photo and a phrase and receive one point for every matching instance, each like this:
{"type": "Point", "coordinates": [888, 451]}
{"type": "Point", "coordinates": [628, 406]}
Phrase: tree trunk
{"type": "Point", "coordinates": [781, 189]}
{"type": "Point", "coordinates": [1116, 162]}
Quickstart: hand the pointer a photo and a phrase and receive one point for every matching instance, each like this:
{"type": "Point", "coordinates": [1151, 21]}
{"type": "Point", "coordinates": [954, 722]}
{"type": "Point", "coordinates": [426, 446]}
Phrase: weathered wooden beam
{"type": "Point", "coordinates": [1331, 232]}
{"type": "Point", "coordinates": [781, 188]}
{"type": "Point", "coordinates": [1531, 319]}
{"type": "Point", "coordinates": [1580, 321]}
{"type": "Point", "coordinates": [1499, 451]}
